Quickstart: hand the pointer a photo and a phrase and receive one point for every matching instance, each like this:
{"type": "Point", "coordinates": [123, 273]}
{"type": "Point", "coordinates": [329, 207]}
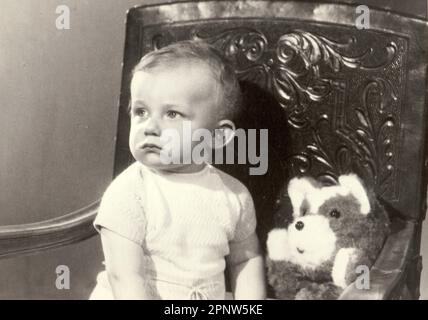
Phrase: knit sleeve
{"type": "Point", "coordinates": [245, 244]}
{"type": "Point", "coordinates": [121, 212]}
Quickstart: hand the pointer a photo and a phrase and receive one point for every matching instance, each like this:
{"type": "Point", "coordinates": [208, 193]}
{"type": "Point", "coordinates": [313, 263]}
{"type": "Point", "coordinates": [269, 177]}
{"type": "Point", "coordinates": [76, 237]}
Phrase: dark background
{"type": "Point", "coordinates": [59, 96]}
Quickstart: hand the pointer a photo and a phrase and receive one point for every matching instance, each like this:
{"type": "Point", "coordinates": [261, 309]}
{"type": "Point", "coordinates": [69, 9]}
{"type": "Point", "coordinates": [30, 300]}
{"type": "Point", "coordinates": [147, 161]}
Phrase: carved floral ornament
{"type": "Point", "coordinates": [297, 69]}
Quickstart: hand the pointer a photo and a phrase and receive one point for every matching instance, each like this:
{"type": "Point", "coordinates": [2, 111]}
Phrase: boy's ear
{"type": "Point", "coordinates": [223, 133]}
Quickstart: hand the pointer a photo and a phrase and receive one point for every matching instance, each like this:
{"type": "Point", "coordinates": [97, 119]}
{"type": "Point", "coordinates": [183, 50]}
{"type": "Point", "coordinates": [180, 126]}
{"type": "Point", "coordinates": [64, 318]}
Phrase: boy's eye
{"type": "Point", "coordinates": [140, 112]}
{"type": "Point", "coordinates": [172, 114]}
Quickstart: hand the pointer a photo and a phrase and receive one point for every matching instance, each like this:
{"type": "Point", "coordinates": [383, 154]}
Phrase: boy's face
{"type": "Point", "coordinates": [166, 98]}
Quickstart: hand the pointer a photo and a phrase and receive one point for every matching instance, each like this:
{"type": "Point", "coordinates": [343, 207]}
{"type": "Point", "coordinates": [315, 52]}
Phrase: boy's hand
{"type": "Point", "coordinates": [248, 279]}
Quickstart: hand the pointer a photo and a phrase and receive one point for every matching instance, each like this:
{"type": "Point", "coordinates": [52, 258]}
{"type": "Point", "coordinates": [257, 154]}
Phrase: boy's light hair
{"type": "Point", "coordinates": [199, 51]}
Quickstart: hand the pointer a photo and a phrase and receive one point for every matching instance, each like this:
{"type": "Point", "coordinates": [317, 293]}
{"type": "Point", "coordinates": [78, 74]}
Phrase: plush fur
{"type": "Point", "coordinates": [333, 230]}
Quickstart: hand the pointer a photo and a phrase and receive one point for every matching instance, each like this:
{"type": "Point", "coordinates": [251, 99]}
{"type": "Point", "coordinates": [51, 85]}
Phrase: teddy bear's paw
{"type": "Point", "coordinates": [324, 291]}
{"type": "Point", "coordinates": [304, 294]}
{"type": "Point", "coordinates": [345, 266]}
{"type": "Point", "coordinates": [311, 292]}
{"type": "Point", "coordinates": [282, 278]}
{"type": "Point", "coordinates": [285, 295]}
{"type": "Point", "coordinates": [277, 244]}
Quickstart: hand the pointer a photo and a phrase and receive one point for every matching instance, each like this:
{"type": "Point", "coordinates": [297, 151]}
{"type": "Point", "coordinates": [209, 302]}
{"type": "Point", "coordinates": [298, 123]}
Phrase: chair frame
{"type": "Point", "coordinates": [396, 273]}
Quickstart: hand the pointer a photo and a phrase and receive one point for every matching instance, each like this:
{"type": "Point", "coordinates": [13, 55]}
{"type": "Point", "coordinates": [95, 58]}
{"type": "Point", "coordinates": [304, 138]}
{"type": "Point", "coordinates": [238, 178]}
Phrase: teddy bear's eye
{"type": "Point", "coordinates": [335, 214]}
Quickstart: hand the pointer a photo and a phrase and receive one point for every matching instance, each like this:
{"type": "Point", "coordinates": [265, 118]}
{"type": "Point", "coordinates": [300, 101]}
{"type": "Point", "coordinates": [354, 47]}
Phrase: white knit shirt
{"type": "Point", "coordinates": [186, 223]}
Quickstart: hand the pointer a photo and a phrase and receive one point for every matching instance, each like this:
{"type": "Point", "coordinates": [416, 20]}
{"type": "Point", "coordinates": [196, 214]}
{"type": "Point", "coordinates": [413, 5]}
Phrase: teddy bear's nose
{"type": "Point", "coordinates": [299, 225]}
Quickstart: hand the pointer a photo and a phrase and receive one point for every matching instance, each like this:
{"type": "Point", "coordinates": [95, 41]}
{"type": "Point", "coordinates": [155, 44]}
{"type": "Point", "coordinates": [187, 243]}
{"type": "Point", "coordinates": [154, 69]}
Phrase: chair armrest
{"type": "Point", "coordinates": [388, 271]}
{"type": "Point", "coordinates": [35, 237]}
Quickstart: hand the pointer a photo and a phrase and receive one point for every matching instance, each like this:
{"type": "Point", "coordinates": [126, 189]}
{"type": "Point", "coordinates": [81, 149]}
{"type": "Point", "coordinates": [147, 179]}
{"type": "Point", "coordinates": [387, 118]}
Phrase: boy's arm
{"type": "Point", "coordinates": [248, 279]}
{"type": "Point", "coordinates": [246, 269]}
{"type": "Point", "coordinates": [124, 265]}
{"type": "Point", "coordinates": [245, 261]}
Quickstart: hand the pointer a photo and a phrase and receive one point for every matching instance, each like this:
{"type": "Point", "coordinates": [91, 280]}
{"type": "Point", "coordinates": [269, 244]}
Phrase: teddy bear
{"type": "Point", "coordinates": [333, 230]}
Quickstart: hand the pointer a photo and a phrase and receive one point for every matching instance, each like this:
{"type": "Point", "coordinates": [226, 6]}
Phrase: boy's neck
{"type": "Point", "coordinates": [190, 168]}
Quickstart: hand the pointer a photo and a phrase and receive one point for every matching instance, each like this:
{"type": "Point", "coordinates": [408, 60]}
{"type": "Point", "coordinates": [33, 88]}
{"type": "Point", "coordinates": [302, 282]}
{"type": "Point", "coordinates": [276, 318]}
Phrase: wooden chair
{"type": "Point", "coordinates": [334, 98]}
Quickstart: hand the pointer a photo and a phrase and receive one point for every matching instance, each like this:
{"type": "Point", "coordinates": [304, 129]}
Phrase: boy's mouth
{"type": "Point", "coordinates": [150, 146]}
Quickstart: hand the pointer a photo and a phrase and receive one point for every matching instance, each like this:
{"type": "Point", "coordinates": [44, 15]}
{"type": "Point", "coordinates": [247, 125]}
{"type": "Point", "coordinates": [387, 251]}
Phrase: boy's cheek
{"type": "Point", "coordinates": [136, 133]}
{"type": "Point", "coordinates": [132, 140]}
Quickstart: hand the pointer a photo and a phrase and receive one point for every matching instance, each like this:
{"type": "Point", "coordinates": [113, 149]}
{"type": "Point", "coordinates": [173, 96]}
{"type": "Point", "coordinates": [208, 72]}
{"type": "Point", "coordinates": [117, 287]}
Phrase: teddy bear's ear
{"type": "Point", "coordinates": [356, 188]}
{"type": "Point", "coordinates": [298, 189]}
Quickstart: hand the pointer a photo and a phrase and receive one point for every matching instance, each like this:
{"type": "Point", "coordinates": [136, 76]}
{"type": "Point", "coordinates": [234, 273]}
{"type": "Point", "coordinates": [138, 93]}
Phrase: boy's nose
{"type": "Point", "coordinates": [152, 127]}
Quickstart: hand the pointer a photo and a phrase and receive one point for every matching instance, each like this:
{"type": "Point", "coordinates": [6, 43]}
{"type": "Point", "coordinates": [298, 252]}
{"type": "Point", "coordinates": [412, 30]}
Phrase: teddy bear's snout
{"type": "Point", "coordinates": [299, 225]}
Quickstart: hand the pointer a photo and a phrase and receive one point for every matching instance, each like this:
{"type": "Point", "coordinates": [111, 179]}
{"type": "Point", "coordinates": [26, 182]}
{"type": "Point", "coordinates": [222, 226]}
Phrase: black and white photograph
{"type": "Point", "coordinates": [252, 150]}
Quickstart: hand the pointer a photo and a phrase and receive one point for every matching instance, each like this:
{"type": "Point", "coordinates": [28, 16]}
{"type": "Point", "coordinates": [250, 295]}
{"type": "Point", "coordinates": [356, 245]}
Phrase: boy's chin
{"type": "Point", "coordinates": [154, 162]}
